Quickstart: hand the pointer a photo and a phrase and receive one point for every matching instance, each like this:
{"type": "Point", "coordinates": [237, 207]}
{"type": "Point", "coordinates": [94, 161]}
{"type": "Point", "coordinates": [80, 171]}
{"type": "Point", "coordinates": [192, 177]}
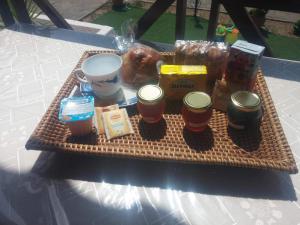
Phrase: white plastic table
{"type": "Point", "coordinates": [50, 188]}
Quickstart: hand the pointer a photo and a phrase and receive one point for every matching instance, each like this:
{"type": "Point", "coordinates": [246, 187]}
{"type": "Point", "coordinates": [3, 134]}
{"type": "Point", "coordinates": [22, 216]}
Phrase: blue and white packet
{"type": "Point", "coordinates": [76, 108]}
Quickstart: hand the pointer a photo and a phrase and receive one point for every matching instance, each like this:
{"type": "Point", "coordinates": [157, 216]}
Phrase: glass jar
{"type": "Point", "coordinates": [196, 111]}
{"type": "Point", "coordinates": [244, 110]}
{"type": "Point", "coordinates": [151, 104]}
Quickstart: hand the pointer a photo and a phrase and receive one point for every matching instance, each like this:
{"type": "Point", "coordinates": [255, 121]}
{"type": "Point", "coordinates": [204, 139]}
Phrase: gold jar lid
{"type": "Point", "coordinates": [150, 94]}
{"type": "Point", "coordinates": [246, 101]}
{"type": "Point", "coordinates": [197, 101]}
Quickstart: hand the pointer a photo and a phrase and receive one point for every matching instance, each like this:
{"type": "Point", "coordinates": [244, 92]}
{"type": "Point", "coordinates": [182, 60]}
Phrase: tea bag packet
{"type": "Point", "coordinates": [116, 123]}
{"type": "Point", "coordinates": [98, 116]}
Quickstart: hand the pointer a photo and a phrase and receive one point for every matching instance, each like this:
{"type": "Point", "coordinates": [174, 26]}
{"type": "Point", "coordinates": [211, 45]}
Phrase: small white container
{"type": "Point", "coordinates": [77, 113]}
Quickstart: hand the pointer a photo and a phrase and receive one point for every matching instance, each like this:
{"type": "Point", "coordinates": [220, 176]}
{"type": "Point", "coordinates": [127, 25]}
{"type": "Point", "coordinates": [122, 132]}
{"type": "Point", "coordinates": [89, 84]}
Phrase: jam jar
{"type": "Point", "coordinates": [196, 111]}
{"type": "Point", "coordinates": [244, 110]}
{"type": "Point", "coordinates": [151, 104]}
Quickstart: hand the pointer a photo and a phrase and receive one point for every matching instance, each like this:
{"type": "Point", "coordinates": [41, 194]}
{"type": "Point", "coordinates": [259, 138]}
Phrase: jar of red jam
{"type": "Point", "coordinates": [151, 104]}
{"type": "Point", "coordinates": [196, 111]}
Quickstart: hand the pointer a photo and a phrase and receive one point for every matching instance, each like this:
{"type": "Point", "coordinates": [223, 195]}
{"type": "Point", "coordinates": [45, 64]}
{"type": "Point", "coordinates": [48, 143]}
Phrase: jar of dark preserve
{"type": "Point", "coordinates": [244, 110]}
{"type": "Point", "coordinates": [196, 111]}
{"type": "Point", "coordinates": [151, 104]}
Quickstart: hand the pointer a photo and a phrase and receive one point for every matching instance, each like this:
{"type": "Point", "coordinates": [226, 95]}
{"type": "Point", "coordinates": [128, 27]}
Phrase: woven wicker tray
{"type": "Point", "coordinates": [168, 140]}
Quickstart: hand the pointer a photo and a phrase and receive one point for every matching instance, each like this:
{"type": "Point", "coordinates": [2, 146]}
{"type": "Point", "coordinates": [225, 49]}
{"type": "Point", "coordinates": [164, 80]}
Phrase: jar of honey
{"type": "Point", "coordinates": [244, 110]}
{"type": "Point", "coordinates": [151, 104]}
{"type": "Point", "coordinates": [196, 111]}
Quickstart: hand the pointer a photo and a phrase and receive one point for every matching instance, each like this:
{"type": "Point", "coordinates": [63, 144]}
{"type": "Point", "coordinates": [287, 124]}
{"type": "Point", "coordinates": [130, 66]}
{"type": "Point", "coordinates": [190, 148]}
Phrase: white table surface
{"type": "Point", "coordinates": [36, 189]}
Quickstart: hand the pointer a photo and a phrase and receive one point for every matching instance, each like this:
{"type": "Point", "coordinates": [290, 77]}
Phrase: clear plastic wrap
{"type": "Point", "coordinates": [139, 65]}
{"type": "Point", "coordinates": [212, 54]}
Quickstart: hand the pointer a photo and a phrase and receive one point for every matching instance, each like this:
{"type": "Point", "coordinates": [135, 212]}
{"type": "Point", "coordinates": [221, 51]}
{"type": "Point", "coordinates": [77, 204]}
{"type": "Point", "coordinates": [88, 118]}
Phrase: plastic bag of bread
{"type": "Point", "coordinates": [190, 52]}
{"type": "Point", "coordinates": [213, 55]}
{"type": "Point", "coordinates": [139, 65]}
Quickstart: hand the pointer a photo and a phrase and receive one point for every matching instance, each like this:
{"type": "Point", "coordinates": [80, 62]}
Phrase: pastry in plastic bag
{"type": "Point", "coordinates": [221, 94]}
{"type": "Point", "coordinates": [190, 52]}
{"type": "Point", "coordinates": [139, 65]}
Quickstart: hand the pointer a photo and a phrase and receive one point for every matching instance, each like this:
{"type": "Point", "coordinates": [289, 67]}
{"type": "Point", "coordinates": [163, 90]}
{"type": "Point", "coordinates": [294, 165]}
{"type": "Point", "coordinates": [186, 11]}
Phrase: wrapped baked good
{"type": "Point", "coordinates": [221, 94]}
{"type": "Point", "coordinates": [190, 52]}
{"type": "Point", "coordinates": [139, 65]}
{"type": "Point", "coordinates": [212, 54]}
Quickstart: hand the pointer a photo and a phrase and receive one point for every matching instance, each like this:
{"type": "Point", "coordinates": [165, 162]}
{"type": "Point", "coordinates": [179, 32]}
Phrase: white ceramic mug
{"type": "Point", "coordinates": [102, 71]}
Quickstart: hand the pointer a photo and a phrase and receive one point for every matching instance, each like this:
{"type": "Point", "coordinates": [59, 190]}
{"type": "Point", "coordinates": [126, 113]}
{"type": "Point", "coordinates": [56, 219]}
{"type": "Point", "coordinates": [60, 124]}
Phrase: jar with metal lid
{"type": "Point", "coordinates": [151, 104]}
{"type": "Point", "coordinates": [244, 110]}
{"type": "Point", "coordinates": [196, 110]}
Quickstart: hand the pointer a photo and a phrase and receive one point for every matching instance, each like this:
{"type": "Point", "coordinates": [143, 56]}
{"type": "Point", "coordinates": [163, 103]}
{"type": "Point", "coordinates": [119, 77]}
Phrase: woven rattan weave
{"type": "Point", "coordinates": [169, 141]}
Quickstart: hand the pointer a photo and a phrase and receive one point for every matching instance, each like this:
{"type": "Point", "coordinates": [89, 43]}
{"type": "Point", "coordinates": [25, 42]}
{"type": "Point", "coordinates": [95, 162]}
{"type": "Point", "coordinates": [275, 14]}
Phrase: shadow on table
{"type": "Point", "coordinates": [248, 140]}
{"type": "Point", "coordinates": [27, 198]}
{"type": "Point", "coordinates": [199, 142]}
{"type": "Point", "coordinates": [152, 132]}
{"type": "Point", "coordinates": [65, 35]}
{"type": "Point", "coordinates": [213, 180]}
{"type": "Point", "coordinates": [281, 69]}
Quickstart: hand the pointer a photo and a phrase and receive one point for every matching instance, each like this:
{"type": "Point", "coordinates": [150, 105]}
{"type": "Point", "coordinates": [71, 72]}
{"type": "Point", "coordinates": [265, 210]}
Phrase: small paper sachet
{"type": "Point", "coordinates": [116, 123]}
{"type": "Point", "coordinates": [98, 116]}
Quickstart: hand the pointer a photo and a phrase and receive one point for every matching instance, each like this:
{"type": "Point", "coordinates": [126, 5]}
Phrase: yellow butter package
{"type": "Point", "coordinates": [178, 80]}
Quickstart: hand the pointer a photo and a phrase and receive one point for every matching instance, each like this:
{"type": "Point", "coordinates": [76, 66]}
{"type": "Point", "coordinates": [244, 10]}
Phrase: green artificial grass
{"type": "Point", "coordinates": [163, 30]}
{"type": "Point", "coordinates": [284, 47]}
